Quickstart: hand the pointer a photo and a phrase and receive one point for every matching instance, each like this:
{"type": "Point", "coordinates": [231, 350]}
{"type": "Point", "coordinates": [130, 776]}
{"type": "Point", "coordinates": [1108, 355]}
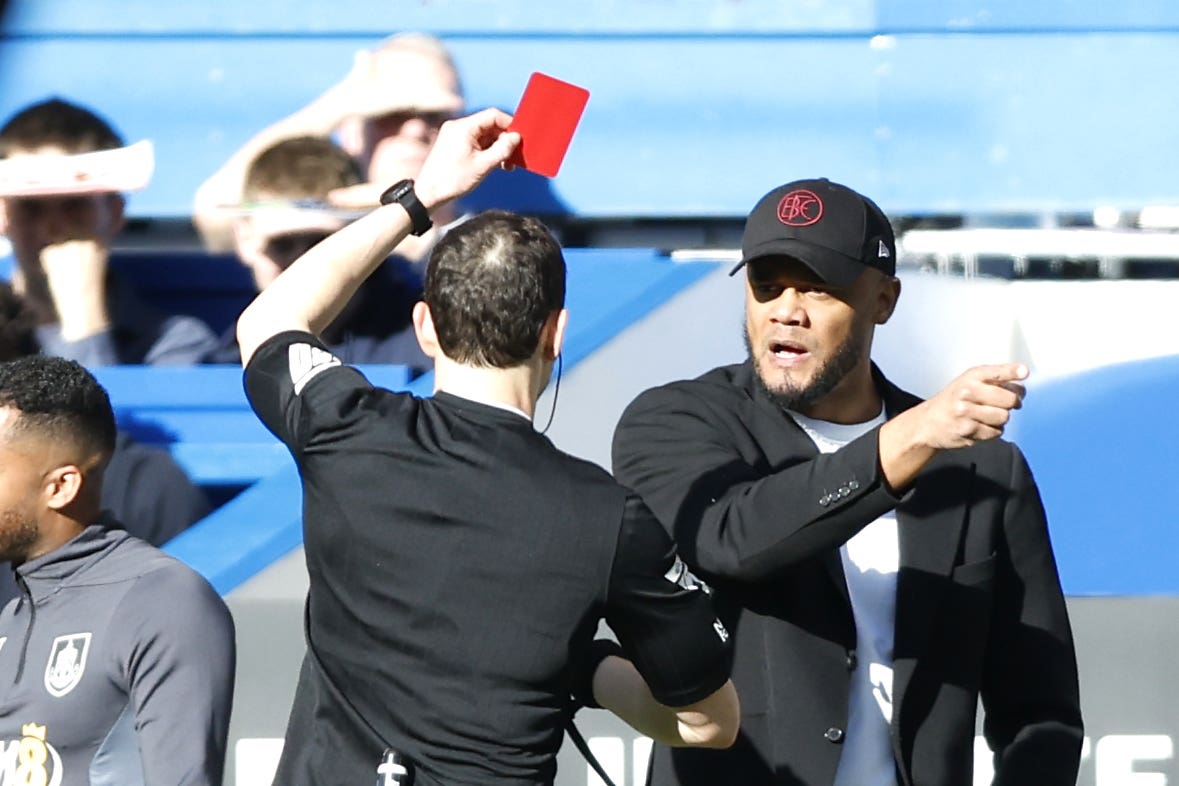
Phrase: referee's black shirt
{"type": "Point", "coordinates": [459, 567]}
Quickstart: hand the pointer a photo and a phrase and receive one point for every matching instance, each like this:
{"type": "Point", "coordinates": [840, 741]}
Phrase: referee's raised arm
{"type": "Point", "coordinates": [311, 292]}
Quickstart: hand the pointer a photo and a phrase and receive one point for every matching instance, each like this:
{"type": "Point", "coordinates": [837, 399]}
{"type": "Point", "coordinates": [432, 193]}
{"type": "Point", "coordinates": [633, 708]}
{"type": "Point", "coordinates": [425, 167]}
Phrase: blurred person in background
{"type": "Point", "coordinates": [385, 113]}
{"type": "Point", "coordinates": [285, 212]}
{"type": "Point", "coordinates": [62, 243]}
{"type": "Point", "coordinates": [144, 489]}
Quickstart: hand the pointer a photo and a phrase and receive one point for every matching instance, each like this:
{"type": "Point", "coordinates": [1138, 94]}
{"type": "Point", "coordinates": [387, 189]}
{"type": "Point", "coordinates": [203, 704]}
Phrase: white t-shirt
{"type": "Point", "coordinates": [870, 562]}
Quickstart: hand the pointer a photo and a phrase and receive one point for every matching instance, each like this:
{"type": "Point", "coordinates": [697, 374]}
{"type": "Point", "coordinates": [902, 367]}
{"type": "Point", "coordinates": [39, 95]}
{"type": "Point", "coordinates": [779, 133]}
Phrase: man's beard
{"type": "Point", "coordinates": [17, 536]}
{"type": "Point", "coordinates": [801, 399]}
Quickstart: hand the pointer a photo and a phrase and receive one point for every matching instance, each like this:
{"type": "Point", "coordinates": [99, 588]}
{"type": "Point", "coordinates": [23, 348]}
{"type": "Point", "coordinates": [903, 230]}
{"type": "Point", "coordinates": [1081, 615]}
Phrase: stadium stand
{"type": "Point", "coordinates": [695, 108]}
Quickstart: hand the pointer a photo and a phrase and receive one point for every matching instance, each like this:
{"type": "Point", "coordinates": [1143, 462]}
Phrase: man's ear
{"type": "Point", "coordinates": [886, 300]}
{"type": "Point", "coordinates": [423, 327]}
{"type": "Point", "coordinates": [62, 486]}
{"type": "Point", "coordinates": [559, 322]}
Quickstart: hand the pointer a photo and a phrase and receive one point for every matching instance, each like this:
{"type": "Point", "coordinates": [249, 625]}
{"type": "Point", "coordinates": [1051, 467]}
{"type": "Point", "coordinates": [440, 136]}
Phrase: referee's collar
{"type": "Point", "coordinates": [488, 402]}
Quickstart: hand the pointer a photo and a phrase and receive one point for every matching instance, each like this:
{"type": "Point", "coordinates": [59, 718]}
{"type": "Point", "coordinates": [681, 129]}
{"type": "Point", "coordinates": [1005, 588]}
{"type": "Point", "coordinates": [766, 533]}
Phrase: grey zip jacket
{"type": "Point", "coordinates": [116, 668]}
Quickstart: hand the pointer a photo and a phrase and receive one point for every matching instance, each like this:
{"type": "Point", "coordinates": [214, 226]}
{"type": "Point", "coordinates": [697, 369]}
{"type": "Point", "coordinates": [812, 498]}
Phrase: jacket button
{"type": "Point", "coordinates": [853, 485]}
{"type": "Point", "coordinates": [834, 734]}
{"type": "Point", "coordinates": [852, 660]}
{"type": "Point", "coordinates": [824, 500]}
{"type": "Point", "coordinates": [844, 491]}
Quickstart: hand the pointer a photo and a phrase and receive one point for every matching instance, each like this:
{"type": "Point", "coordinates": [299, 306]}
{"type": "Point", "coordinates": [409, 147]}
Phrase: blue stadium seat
{"type": "Point", "coordinates": [200, 414]}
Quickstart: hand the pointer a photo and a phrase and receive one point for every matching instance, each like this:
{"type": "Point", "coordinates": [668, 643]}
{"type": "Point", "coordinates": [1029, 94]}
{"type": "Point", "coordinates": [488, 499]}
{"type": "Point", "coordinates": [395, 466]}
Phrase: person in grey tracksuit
{"type": "Point", "coordinates": [116, 660]}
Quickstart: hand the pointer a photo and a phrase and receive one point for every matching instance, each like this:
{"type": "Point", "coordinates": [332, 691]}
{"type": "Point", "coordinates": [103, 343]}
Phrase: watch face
{"type": "Point", "coordinates": [396, 191]}
{"type": "Point", "coordinates": [402, 193]}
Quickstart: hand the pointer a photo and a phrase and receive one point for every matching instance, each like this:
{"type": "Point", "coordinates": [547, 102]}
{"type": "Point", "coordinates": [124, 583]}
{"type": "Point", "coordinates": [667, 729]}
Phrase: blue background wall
{"type": "Point", "coordinates": [696, 107]}
{"type": "Point", "coordinates": [1104, 447]}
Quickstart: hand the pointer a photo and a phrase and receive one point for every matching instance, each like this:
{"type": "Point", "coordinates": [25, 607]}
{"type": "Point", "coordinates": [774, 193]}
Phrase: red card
{"type": "Point", "coordinates": [546, 118]}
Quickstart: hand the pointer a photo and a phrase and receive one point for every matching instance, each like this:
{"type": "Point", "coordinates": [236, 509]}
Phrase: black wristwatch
{"type": "Point", "coordinates": [403, 194]}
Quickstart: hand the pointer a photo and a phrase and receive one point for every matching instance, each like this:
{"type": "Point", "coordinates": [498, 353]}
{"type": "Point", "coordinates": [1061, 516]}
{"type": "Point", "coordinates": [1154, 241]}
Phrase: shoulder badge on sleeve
{"type": "Point", "coordinates": [306, 362]}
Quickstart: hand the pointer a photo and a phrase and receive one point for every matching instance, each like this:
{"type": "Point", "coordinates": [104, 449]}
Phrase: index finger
{"type": "Point", "coordinates": [480, 129]}
{"type": "Point", "coordinates": [490, 119]}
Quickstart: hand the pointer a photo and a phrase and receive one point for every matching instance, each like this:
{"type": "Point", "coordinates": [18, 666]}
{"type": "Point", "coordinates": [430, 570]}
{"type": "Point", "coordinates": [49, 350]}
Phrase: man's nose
{"type": "Point", "coordinates": [788, 308]}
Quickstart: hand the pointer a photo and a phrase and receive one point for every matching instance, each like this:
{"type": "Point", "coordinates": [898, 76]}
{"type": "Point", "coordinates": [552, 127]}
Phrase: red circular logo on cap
{"type": "Point", "coordinates": [800, 208]}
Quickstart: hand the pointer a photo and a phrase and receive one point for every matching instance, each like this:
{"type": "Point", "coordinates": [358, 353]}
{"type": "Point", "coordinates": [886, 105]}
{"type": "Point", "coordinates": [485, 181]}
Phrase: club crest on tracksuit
{"type": "Point", "coordinates": [67, 662]}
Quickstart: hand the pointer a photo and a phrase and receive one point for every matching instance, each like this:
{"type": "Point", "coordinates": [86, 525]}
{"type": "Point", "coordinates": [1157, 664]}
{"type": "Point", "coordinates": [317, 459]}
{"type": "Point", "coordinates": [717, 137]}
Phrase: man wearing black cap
{"type": "Point", "coordinates": [884, 561]}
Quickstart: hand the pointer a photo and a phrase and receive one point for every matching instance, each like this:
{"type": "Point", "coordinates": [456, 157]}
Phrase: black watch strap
{"type": "Point", "coordinates": [403, 194]}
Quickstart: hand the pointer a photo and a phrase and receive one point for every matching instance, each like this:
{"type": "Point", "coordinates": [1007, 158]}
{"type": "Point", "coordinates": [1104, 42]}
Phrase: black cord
{"type": "Point", "coordinates": [556, 392]}
{"type": "Point", "coordinates": [584, 747]}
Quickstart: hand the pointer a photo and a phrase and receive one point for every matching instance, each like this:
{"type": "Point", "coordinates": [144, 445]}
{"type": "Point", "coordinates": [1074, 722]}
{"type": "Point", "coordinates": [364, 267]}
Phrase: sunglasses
{"type": "Point", "coordinates": [432, 120]}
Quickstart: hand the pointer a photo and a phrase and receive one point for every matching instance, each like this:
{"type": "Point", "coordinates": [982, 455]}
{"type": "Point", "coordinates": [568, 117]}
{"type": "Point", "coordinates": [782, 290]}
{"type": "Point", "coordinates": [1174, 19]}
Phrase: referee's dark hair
{"type": "Point", "coordinates": [491, 284]}
{"type": "Point", "coordinates": [59, 400]}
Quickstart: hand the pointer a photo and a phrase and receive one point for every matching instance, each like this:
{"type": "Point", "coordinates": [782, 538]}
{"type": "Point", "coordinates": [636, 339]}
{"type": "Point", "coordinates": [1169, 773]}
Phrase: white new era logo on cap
{"type": "Point", "coordinates": [882, 252]}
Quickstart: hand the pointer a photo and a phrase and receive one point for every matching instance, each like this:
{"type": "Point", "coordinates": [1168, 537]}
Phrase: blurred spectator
{"type": "Point", "coordinates": [61, 241]}
{"type": "Point", "coordinates": [285, 203]}
{"type": "Point", "coordinates": [285, 212]}
{"type": "Point", "coordinates": [143, 487]}
{"type": "Point", "coordinates": [386, 113]}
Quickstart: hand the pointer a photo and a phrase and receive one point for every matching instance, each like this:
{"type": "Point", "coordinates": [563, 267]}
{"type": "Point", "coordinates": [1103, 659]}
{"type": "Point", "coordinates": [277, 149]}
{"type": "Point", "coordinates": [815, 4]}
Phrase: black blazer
{"type": "Point", "coordinates": [760, 513]}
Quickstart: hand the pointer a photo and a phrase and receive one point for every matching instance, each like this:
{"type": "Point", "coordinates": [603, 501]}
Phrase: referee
{"type": "Point", "coordinates": [460, 564]}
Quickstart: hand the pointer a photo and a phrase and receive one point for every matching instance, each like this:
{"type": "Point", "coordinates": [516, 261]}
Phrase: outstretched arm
{"type": "Point", "coordinates": [707, 476]}
{"type": "Point", "coordinates": [311, 292]}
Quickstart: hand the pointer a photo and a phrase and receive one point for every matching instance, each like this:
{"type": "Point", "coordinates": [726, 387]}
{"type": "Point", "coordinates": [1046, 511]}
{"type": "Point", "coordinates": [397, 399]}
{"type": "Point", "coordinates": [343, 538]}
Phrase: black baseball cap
{"type": "Point", "coordinates": [830, 228]}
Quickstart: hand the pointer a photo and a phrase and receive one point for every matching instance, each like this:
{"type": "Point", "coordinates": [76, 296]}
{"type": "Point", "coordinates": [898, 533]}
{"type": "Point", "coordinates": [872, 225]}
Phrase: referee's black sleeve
{"type": "Point", "coordinates": [663, 616]}
{"type": "Point", "coordinates": [299, 390]}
